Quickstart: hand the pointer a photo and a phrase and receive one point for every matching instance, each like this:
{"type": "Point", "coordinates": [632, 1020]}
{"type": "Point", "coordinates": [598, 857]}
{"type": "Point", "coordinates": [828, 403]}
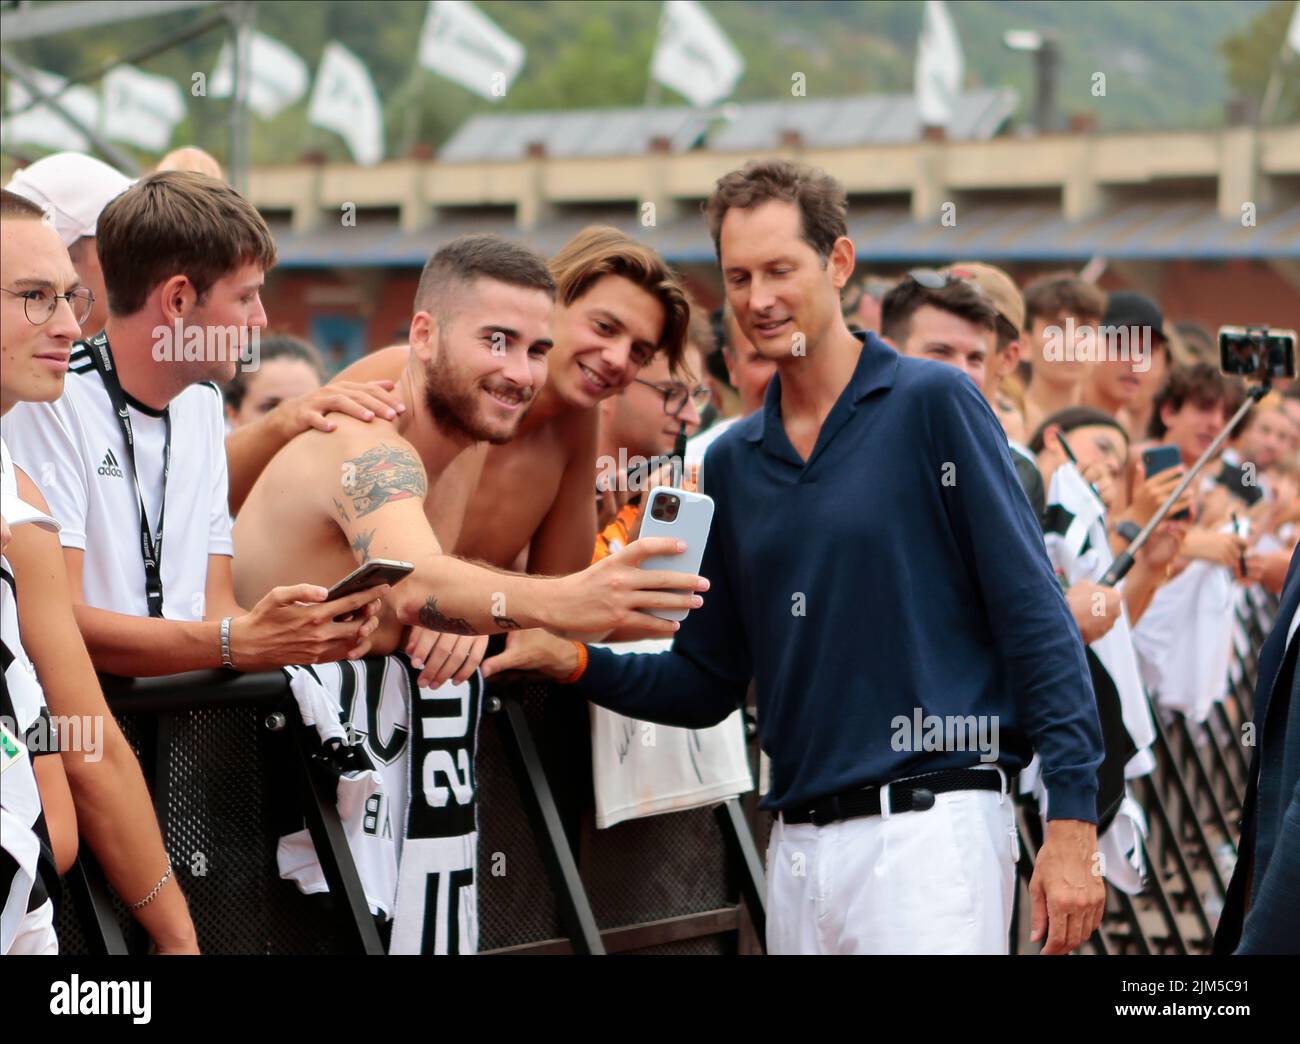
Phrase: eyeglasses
{"type": "Point", "coordinates": [935, 280]}
{"type": "Point", "coordinates": [39, 304]}
{"type": "Point", "coordinates": [675, 395]}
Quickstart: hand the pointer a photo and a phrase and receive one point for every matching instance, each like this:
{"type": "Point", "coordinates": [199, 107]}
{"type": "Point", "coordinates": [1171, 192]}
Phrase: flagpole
{"type": "Point", "coordinates": [653, 89]}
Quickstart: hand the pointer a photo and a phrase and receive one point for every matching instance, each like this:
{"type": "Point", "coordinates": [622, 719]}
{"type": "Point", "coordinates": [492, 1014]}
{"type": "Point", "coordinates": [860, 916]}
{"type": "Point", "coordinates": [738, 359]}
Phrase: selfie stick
{"type": "Point", "coordinates": [1124, 560]}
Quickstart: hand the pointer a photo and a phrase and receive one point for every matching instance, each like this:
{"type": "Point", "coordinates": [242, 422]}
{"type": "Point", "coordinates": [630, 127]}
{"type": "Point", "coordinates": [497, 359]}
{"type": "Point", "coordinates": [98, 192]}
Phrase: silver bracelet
{"type": "Point", "coordinates": [156, 888]}
{"type": "Point", "coordinates": [226, 661]}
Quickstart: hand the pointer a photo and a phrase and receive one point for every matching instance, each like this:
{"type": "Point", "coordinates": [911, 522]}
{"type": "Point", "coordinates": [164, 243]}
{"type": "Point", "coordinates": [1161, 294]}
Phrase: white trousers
{"type": "Point", "coordinates": [937, 881]}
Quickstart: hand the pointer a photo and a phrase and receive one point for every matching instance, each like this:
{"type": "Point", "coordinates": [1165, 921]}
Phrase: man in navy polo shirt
{"type": "Point", "coordinates": [876, 568]}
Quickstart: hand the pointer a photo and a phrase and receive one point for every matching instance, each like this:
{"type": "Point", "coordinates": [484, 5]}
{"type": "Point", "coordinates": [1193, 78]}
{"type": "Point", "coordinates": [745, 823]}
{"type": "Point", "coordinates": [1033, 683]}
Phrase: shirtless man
{"type": "Point", "coordinates": [530, 501]}
{"type": "Point", "coordinates": [479, 340]}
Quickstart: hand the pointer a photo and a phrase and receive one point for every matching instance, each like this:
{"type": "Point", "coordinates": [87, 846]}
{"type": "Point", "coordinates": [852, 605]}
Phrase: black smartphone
{"type": "Point", "coordinates": [371, 574]}
{"type": "Point", "coordinates": [1256, 351]}
{"type": "Point", "coordinates": [1162, 458]}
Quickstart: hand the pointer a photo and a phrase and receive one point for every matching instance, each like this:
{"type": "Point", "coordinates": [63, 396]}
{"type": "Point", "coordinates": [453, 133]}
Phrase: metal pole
{"type": "Point", "coordinates": [1124, 560]}
{"type": "Point", "coordinates": [241, 19]}
{"type": "Point", "coordinates": [175, 40]}
{"type": "Point", "coordinates": [23, 75]}
{"type": "Point", "coordinates": [1048, 65]}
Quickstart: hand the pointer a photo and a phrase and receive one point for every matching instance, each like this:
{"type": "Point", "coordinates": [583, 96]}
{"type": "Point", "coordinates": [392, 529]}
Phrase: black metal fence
{"type": "Point", "coordinates": [231, 769]}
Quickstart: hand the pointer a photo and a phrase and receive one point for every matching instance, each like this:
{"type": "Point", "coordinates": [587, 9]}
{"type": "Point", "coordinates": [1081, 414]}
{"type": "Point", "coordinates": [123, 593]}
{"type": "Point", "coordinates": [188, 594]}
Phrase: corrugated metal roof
{"type": "Point", "coordinates": [869, 119]}
{"type": "Point", "coordinates": [883, 119]}
{"type": "Point", "coordinates": [585, 132]}
{"type": "Point", "coordinates": [1173, 230]}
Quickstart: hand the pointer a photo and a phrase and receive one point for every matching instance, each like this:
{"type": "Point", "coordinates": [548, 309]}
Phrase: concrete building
{"type": "Point", "coordinates": [1208, 222]}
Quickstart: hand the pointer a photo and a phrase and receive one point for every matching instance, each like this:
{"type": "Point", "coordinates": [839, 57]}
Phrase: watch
{"type": "Point", "coordinates": [1128, 529]}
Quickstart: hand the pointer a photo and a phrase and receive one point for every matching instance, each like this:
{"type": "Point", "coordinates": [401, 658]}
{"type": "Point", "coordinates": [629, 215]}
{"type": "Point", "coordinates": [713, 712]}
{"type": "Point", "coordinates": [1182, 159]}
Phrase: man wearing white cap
{"type": "Point", "coordinates": [73, 190]}
{"type": "Point", "coordinates": [41, 307]}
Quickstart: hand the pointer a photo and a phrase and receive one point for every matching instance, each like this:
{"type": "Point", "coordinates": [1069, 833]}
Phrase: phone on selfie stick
{"type": "Point", "coordinates": [1253, 352]}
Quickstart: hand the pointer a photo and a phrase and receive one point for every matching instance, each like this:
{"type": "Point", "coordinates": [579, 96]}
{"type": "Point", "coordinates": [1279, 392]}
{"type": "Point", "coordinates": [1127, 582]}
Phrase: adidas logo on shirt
{"type": "Point", "coordinates": [110, 466]}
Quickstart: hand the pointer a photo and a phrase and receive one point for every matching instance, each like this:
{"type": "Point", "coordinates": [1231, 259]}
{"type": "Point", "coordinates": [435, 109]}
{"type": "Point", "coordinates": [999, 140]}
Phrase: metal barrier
{"type": "Point", "coordinates": [232, 768]}
{"type": "Point", "coordinates": [1193, 801]}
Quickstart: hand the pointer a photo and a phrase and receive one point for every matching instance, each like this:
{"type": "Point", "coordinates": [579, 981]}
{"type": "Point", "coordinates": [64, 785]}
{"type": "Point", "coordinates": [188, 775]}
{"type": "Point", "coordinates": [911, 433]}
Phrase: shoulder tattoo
{"type": "Point", "coordinates": [381, 475]}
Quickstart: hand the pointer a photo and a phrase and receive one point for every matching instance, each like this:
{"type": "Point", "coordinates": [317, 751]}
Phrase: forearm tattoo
{"type": "Point", "coordinates": [432, 619]}
{"type": "Point", "coordinates": [382, 475]}
{"type": "Point", "coordinates": [506, 623]}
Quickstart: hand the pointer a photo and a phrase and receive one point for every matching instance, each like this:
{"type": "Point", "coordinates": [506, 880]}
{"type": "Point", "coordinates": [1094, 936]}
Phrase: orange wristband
{"type": "Point", "coordinates": [581, 669]}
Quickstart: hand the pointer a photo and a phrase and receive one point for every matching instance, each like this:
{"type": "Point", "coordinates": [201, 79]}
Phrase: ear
{"type": "Point", "coordinates": [424, 337]}
{"type": "Point", "coordinates": [1167, 414]}
{"type": "Point", "coordinates": [842, 261]}
{"type": "Point", "coordinates": [1052, 440]}
{"type": "Point", "coordinates": [176, 297]}
{"type": "Point", "coordinates": [729, 360]}
{"type": "Point", "coordinates": [1008, 359]}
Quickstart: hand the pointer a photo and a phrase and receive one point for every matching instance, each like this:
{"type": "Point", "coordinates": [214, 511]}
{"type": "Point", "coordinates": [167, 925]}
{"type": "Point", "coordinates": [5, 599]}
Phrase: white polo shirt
{"type": "Point", "coordinates": [75, 452]}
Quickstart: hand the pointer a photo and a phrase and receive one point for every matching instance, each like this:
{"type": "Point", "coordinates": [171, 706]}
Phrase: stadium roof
{"type": "Point", "coordinates": [1170, 230]}
{"type": "Point", "coordinates": [870, 119]}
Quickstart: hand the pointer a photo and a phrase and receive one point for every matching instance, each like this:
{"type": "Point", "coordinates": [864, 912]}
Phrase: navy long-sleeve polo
{"type": "Point", "coordinates": [898, 570]}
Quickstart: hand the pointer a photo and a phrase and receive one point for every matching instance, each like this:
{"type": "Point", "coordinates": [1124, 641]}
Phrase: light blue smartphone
{"type": "Point", "coordinates": [684, 516]}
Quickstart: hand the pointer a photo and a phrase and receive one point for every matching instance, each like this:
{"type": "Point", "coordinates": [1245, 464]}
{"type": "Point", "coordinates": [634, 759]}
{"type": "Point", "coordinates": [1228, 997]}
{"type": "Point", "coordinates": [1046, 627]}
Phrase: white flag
{"type": "Point", "coordinates": [938, 66]}
{"type": "Point", "coordinates": [140, 108]}
{"type": "Point", "coordinates": [40, 125]}
{"type": "Point", "coordinates": [276, 76]}
{"type": "Point", "coordinates": [344, 100]}
{"type": "Point", "coordinates": [461, 43]}
{"type": "Point", "coordinates": [693, 56]}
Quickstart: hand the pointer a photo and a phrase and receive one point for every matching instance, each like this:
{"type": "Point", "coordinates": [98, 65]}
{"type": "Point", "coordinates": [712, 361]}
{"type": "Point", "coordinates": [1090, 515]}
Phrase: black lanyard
{"type": "Point", "coordinates": [150, 545]}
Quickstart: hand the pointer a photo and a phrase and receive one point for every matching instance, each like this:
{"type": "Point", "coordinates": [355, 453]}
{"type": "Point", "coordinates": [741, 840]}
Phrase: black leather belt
{"type": "Point", "coordinates": [913, 794]}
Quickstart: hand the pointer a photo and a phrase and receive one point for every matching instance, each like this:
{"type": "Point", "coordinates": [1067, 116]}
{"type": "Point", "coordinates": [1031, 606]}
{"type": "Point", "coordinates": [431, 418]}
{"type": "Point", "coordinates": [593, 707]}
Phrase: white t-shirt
{"type": "Point", "coordinates": [75, 452]}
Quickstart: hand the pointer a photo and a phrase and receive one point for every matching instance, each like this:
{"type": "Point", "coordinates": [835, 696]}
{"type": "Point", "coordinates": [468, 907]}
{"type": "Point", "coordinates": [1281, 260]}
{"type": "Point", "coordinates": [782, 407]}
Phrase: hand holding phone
{"type": "Point", "coordinates": [686, 516]}
{"type": "Point", "coordinates": [371, 574]}
{"type": "Point", "coordinates": [1158, 459]}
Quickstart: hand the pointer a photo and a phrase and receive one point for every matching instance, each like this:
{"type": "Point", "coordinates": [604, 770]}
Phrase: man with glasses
{"type": "Point", "coordinates": [91, 775]}
{"type": "Point", "coordinates": [138, 439]}
{"type": "Point", "coordinates": [640, 429]}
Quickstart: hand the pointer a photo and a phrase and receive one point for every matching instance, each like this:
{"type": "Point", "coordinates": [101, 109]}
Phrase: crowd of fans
{"type": "Point", "coordinates": [515, 478]}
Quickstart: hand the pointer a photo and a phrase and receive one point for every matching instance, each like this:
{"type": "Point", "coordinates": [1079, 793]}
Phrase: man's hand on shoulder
{"type": "Point", "coordinates": [365, 402]}
{"type": "Point", "coordinates": [1068, 889]}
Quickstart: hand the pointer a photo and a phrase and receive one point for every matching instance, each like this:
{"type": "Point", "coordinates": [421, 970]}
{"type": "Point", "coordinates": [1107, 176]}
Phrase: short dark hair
{"type": "Point", "coordinates": [1074, 417]}
{"type": "Point", "coordinates": [13, 205]}
{"type": "Point", "coordinates": [1200, 384]}
{"type": "Point", "coordinates": [177, 223]}
{"type": "Point", "coordinates": [469, 258]}
{"type": "Point", "coordinates": [1062, 293]}
{"type": "Point", "coordinates": [823, 206]}
{"type": "Point", "coordinates": [274, 346]}
{"type": "Point", "coordinates": [957, 297]}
